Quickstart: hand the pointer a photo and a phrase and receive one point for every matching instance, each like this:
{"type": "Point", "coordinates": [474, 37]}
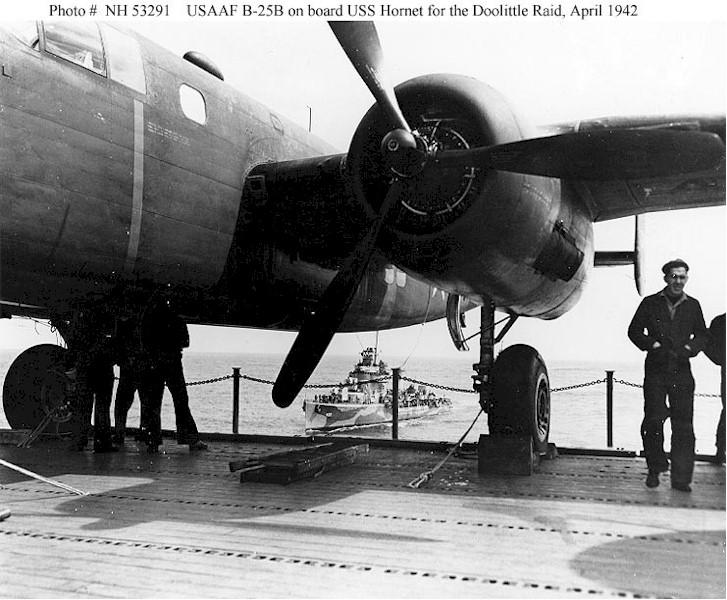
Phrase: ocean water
{"type": "Point", "coordinates": [578, 416]}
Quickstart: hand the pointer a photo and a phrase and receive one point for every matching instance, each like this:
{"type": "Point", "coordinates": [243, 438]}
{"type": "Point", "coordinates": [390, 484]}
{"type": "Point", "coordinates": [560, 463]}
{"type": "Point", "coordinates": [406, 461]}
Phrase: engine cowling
{"type": "Point", "coordinates": [472, 230]}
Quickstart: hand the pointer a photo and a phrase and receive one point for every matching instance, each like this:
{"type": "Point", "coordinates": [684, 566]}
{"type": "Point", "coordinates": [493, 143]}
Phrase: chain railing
{"type": "Point", "coordinates": [609, 380]}
{"type": "Point", "coordinates": [437, 386]}
{"type": "Point", "coordinates": [208, 381]}
{"type": "Point", "coordinates": [577, 386]}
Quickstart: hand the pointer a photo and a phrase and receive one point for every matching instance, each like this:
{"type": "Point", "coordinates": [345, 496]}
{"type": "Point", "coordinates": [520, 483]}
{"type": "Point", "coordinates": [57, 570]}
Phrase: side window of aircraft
{"type": "Point", "coordinates": [193, 104]}
{"type": "Point", "coordinates": [125, 63]}
{"type": "Point", "coordinates": [26, 32]}
{"type": "Point", "coordinates": [77, 42]}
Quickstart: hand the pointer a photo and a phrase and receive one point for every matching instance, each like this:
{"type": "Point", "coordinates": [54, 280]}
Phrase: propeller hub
{"type": "Point", "coordinates": [405, 152]}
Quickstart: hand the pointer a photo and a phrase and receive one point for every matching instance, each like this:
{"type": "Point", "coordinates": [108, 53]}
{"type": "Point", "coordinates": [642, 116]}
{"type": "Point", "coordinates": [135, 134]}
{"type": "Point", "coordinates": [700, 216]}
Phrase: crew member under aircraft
{"type": "Point", "coordinates": [128, 371]}
{"type": "Point", "coordinates": [90, 364]}
{"type": "Point", "coordinates": [175, 337]}
{"type": "Point", "coordinates": [670, 327]}
{"type": "Point", "coordinates": [163, 337]}
{"type": "Point", "coordinates": [150, 381]}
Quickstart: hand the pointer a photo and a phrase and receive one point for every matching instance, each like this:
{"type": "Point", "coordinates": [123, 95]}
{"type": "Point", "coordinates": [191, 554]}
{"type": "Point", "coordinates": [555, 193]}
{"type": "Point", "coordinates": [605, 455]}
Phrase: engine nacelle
{"type": "Point", "coordinates": [475, 231]}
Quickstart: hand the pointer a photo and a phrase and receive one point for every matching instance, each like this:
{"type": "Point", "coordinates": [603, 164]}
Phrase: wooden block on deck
{"type": "Point", "coordinates": [250, 463]}
{"type": "Point", "coordinates": [506, 455]}
{"type": "Point", "coordinates": [308, 463]}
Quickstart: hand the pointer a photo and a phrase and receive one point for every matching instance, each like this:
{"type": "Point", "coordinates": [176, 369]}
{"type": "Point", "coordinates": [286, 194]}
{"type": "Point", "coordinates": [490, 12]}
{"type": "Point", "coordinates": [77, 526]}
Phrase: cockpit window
{"type": "Point", "coordinates": [76, 42]}
{"type": "Point", "coordinates": [25, 31]}
{"type": "Point", "coordinates": [125, 63]}
{"type": "Point", "coordinates": [193, 104]}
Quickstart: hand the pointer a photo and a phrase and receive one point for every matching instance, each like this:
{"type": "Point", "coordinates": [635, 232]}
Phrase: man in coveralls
{"type": "Point", "coordinates": [128, 358]}
{"type": "Point", "coordinates": [174, 338]}
{"type": "Point", "coordinates": [90, 365]}
{"type": "Point", "coordinates": [670, 327]}
{"type": "Point", "coordinates": [164, 336]}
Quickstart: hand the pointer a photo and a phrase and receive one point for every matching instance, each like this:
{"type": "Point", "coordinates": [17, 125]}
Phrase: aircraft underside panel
{"type": "Point", "coordinates": [65, 227]}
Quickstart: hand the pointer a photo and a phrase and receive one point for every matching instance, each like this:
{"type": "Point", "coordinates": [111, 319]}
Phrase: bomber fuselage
{"type": "Point", "coordinates": [125, 165]}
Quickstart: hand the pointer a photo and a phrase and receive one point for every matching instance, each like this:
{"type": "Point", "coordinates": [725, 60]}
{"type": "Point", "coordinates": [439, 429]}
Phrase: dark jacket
{"type": "Point", "coordinates": [653, 323]}
{"type": "Point", "coordinates": [163, 332]}
{"type": "Point", "coordinates": [92, 341]}
{"type": "Point", "coordinates": [715, 349]}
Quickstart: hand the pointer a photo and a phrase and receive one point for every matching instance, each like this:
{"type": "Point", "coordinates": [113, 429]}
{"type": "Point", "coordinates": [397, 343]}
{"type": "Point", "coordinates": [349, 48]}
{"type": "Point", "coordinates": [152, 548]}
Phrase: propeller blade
{"type": "Point", "coordinates": [639, 243]}
{"type": "Point", "coordinates": [599, 155]}
{"type": "Point", "coordinates": [360, 42]}
{"type": "Point", "coordinates": [317, 331]}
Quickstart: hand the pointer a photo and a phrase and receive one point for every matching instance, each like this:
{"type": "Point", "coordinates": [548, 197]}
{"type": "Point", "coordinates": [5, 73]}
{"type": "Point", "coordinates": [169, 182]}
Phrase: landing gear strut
{"type": "Point", "coordinates": [35, 389]}
{"type": "Point", "coordinates": [515, 393]}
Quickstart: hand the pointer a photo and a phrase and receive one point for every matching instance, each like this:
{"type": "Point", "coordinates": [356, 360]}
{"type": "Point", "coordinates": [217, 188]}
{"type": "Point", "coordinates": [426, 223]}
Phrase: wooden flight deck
{"type": "Point", "coordinates": [183, 525]}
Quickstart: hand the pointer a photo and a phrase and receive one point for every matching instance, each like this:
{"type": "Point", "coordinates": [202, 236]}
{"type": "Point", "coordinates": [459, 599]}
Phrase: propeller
{"type": "Point", "coordinates": [599, 155]}
{"type": "Point", "coordinates": [317, 330]}
{"type": "Point", "coordinates": [403, 149]}
{"type": "Point", "coordinates": [361, 43]}
{"type": "Point", "coordinates": [639, 243]}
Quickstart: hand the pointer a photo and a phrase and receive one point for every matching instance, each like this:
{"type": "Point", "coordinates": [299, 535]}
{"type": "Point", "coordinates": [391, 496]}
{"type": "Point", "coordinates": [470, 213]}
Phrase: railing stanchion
{"type": "Point", "coordinates": [609, 409]}
{"type": "Point", "coordinates": [395, 404]}
{"type": "Point", "coordinates": [235, 399]}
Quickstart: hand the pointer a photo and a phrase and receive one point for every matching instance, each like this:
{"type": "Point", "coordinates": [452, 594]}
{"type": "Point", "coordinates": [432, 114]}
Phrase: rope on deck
{"type": "Point", "coordinates": [427, 475]}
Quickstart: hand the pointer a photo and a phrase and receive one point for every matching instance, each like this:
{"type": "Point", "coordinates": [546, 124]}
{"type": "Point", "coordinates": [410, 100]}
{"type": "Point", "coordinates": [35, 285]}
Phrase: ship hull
{"type": "Point", "coordinates": [324, 416]}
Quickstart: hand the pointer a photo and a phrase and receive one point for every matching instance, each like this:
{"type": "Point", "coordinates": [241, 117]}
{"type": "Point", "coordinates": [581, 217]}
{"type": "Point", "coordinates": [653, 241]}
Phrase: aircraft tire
{"type": "Point", "coordinates": [34, 386]}
{"type": "Point", "coordinates": [521, 396]}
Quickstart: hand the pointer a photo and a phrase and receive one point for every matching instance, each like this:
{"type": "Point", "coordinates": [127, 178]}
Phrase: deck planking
{"type": "Point", "coordinates": [181, 525]}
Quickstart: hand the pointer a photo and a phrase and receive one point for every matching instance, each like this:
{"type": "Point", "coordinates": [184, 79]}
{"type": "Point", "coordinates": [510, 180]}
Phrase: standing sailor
{"type": "Point", "coordinates": [127, 358]}
{"type": "Point", "coordinates": [91, 366]}
{"type": "Point", "coordinates": [670, 327]}
{"type": "Point", "coordinates": [174, 338]}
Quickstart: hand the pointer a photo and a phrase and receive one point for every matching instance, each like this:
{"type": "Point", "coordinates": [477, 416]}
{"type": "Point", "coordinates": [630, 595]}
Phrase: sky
{"type": "Point", "coordinates": [663, 61]}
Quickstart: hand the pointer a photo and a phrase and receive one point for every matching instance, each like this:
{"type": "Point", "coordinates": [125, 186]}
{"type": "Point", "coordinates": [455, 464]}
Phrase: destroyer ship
{"type": "Point", "coordinates": [365, 399]}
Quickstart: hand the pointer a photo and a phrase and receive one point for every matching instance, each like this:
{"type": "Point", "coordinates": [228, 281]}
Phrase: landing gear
{"type": "Point", "coordinates": [515, 393]}
{"type": "Point", "coordinates": [521, 396]}
{"type": "Point", "coordinates": [35, 389]}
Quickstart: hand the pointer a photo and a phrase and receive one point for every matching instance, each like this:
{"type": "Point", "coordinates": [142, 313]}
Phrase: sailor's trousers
{"type": "Point", "coordinates": [676, 385]}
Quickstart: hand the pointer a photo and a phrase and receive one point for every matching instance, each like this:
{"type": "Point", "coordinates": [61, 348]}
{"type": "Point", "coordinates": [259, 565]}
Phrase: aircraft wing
{"type": "Point", "coordinates": [615, 199]}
